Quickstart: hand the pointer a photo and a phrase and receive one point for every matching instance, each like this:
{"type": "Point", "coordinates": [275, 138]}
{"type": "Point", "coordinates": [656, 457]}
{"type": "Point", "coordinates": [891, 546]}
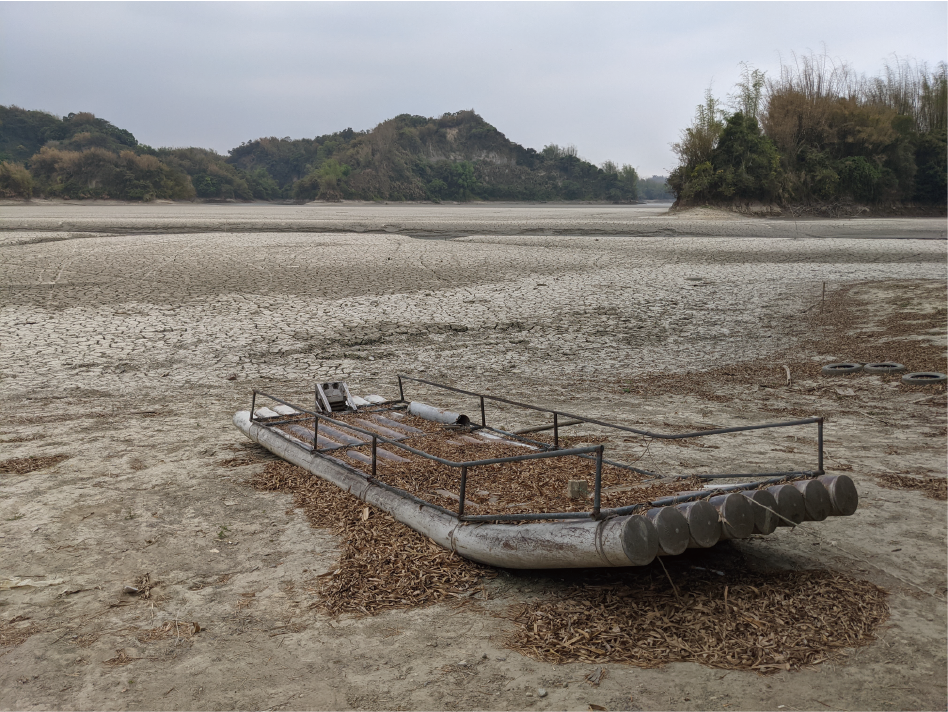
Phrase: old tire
{"type": "Point", "coordinates": [883, 367]}
{"type": "Point", "coordinates": [924, 378]}
{"type": "Point", "coordinates": [841, 369]}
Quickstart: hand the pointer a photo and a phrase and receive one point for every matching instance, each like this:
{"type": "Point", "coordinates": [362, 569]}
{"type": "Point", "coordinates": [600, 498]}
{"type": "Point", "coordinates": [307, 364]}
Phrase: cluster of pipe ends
{"type": "Point", "coordinates": [701, 524]}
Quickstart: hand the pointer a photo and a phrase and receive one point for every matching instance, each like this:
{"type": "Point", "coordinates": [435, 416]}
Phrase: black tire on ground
{"type": "Point", "coordinates": [924, 378]}
{"type": "Point", "coordinates": [841, 369]}
{"type": "Point", "coordinates": [883, 367]}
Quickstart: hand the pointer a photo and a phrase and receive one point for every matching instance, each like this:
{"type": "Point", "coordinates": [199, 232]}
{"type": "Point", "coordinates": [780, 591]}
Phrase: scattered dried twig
{"type": "Point", "coordinates": [25, 465]}
{"type": "Point", "coordinates": [933, 487]}
{"type": "Point", "coordinates": [769, 622]}
{"type": "Point", "coordinates": [16, 630]}
{"type": "Point", "coordinates": [178, 630]}
{"type": "Point", "coordinates": [384, 564]}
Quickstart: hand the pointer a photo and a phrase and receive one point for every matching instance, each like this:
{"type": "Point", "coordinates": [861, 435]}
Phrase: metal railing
{"type": "Point", "coordinates": [591, 452]}
{"type": "Point", "coordinates": [463, 466]}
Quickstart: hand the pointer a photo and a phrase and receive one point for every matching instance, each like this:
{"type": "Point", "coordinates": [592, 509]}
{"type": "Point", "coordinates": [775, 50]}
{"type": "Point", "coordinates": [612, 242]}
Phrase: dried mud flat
{"type": "Point", "coordinates": [121, 327]}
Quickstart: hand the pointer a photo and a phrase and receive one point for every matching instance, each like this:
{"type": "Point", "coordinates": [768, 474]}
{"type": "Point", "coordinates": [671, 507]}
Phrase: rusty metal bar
{"type": "Point", "coordinates": [819, 445]}
{"type": "Point", "coordinates": [661, 436]}
{"type": "Point", "coordinates": [401, 391]}
{"type": "Point", "coordinates": [597, 492]}
{"type": "Point", "coordinates": [422, 453]}
{"type": "Point", "coordinates": [483, 417]}
{"type": "Point", "coordinates": [524, 517]}
{"type": "Point", "coordinates": [463, 490]}
{"type": "Point", "coordinates": [375, 445]}
{"type": "Point", "coordinates": [541, 428]}
{"type": "Point", "coordinates": [662, 501]}
{"type": "Point", "coordinates": [556, 432]}
{"type": "Point", "coordinates": [547, 446]}
{"type": "Point", "coordinates": [253, 405]}
{"type": "Point", "coordinates": [726, 475]}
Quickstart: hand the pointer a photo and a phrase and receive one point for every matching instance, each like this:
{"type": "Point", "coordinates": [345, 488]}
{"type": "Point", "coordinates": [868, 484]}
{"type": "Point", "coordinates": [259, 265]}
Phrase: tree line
{"type": "Point", "coordinates": [457, 157]}
{"type": "Point", "coordinates": [817, 134]}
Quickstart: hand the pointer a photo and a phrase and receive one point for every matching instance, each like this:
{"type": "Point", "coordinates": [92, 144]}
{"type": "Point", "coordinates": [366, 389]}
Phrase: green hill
{"type": "Point", "coordinates": [457, 156]}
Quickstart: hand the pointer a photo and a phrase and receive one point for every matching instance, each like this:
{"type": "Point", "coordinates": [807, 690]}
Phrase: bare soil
{"type": "Point", "coordinates": [118, 348]}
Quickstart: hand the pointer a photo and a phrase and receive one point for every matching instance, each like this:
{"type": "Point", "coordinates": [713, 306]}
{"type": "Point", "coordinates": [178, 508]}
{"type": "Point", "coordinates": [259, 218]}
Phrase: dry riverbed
{"type": "Point", "coordinates": [129, 335]}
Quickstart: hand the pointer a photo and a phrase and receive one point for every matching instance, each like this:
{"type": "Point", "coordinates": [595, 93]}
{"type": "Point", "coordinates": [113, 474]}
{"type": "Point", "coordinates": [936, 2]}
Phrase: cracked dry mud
{"type": "Point", "coordinates": [119, 329]}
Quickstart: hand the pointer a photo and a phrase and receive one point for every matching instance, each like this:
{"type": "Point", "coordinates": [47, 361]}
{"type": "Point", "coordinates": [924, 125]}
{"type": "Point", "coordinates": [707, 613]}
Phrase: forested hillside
{"type": "Point", "coordinates": [455, 157]}
{"type": "Point", "coordinates": [820, 135]}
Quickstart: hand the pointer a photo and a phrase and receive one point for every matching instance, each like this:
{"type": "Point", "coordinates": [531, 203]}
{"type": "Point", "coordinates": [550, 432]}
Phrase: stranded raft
{"type": "Point", "coordinates": [363, 445]}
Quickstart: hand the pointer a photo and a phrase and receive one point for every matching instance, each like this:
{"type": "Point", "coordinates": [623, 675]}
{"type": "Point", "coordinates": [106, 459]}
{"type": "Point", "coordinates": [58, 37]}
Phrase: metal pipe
{"type": "Point", "coordinates": [397, 425]}
{"type": "Point", "coordinates": [437, 415]}
{"type": "Point", "coordinates": [597, 491]}
{"type": "Point", "coordinates": [483, 417]}
{"type": "Point", "coordinates": [556, 432]}
{"type": "Point", "coordinates": [672, 528]}
{"type": "Point", "coordinates": [704, 494]}
{"type": "Point", "coordinates": [533, 517]}
{"type": "Point", "coordinates": [253, 404]}
{"type": "Point", "coordinates": [463, 490]}
{"type": "Point", "coordinates": [401, 391]}
{"type": "Point", "coordinates": [843, 495]}
{"type": "Point", "coordinates": [817, 504]}
{"type": "Point", "coordinates": [662, 436]}
{"type": "Point", "coordinates": [375, 454]}
{"type": "Point", "coordinates": [315, 441]}
{"type": "Point", "coordinates": [541, 428]}
{"type": "Point", "coordinates": [704, 527]}
{"type": "Point", "coordinates": [819, 445]}
{"type": "Point", "coordinates": [795, 473]}
{"type": "Point", "coordinates": [765, 510]}
{"type": "Point", "coordinates": [737, 517]}
{"type": "Point", "coordinates": [380, 429]}
{"type": "Point", "coordinates": [790, 504]}
{"type": "Point", "coordinates": [342, 435]}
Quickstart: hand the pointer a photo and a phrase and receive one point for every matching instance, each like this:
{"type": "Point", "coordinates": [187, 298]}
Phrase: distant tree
{"type": "Point", "coordinates": [15, 181]}
{"type": "Point", "coordinates": [931, 157]}
{"type": "Point", "coordinates": [745, 162]}
{"type": "Point", "coordinates": [330, 175]}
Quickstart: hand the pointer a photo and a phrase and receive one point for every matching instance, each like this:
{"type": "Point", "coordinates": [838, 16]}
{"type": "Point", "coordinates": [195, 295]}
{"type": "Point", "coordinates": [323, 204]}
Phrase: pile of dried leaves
{"type": "Point", "coordinates": [933, 487]}
{"type": "Point", "coordinates": [739, 621]}
{"type": "Point", "coordinates": [25, 465]}
{"type": "Point", "coordinates": [384, 564]}
{"type": "Point", "coordinates": [513, 487]}
{"type": "Point", "coordinates": [16, 630]}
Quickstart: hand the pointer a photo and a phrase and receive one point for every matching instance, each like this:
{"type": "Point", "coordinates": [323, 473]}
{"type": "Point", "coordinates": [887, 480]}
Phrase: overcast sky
{"type": "Point", "coordinates": [618, 80]}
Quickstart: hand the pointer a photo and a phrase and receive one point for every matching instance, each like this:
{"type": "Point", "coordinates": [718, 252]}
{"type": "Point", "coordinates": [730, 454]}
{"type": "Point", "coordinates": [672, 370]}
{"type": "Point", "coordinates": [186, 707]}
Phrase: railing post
{"type": "Point", "coordinates": [556, 432]}
{"type": "Point", "coordinates": [819, 445]}
{"type": "Point", "coordinates": [483, 417]}
{"type": "Point", "coordinates": [401, 391]}
{"type": "Point", "coordinates": [253, 404]}
{"type": "Point", "coordinates": [463, 488]}
{"type": "Point", "coordinates": [315, 431]}
{"type": "Point", "coordinates": [375, 444]}
{"type": "Point", "coordinates": [597, 491]}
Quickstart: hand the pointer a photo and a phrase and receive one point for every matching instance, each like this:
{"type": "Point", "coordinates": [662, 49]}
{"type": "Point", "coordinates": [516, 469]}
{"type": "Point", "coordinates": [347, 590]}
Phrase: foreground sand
{"type": "Point", "coordinates": [120, 327]}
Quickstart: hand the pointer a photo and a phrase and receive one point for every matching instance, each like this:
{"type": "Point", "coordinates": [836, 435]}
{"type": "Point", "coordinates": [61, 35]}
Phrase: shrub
{"type": "Point", "coordinates": [15, 181]}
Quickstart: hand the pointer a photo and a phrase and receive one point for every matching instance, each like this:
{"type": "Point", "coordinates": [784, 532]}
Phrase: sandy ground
{"type": "Point", "coordinates": [120, 327]}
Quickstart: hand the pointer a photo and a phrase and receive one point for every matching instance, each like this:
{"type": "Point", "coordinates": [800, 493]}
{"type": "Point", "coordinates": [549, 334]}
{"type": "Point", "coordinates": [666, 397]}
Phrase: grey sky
{"type": "Point", "coordinates": [618, 80]}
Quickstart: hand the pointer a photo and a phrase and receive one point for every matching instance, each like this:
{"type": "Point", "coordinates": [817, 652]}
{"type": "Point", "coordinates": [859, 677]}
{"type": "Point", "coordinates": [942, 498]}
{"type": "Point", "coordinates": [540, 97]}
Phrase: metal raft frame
{"type": "Point", "coordinates": [591, 452]}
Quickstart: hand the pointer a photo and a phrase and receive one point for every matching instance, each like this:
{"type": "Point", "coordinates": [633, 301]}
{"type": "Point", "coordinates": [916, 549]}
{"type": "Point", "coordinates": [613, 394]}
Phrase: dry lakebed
{"type": "Point", "coordinates": [153, 558]}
